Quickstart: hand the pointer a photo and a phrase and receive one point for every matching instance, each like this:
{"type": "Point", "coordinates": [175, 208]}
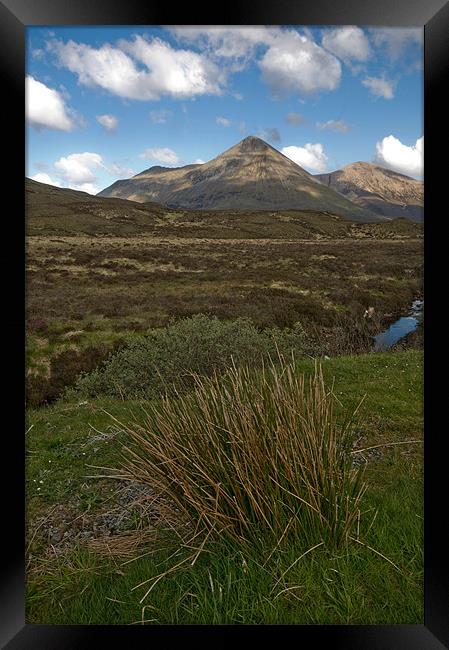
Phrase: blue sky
{"type": "Point", "coordinates": [105, 103]}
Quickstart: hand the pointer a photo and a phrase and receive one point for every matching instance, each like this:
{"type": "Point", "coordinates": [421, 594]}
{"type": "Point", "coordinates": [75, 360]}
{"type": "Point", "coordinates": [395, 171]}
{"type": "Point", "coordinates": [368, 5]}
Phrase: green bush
{"type": "Point", "coordinates": [165, 358]}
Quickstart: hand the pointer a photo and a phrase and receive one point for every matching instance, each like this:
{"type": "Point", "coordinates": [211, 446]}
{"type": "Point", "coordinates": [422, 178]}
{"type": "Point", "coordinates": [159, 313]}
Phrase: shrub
{"type": "Point", "coordinates": [166, 357]}
{"type": "Point", "coordinates": [65, 368]}
{"type": "Point", "coordinates": [249, 452]}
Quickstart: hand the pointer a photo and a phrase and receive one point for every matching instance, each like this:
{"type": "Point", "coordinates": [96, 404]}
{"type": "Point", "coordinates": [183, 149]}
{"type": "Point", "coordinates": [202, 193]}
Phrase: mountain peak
{"type": "Point", "coordinates": [252, 143]}
{"type": "Point", "coordinates": [250, 175]}
{"type": "Point", "coordinates": [378, 189]}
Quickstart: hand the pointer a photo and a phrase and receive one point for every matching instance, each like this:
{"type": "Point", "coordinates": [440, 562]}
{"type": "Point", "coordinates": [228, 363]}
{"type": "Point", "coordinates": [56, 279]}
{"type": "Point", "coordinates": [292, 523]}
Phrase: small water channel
{"type": "Point", "coordinates": [400, 328]}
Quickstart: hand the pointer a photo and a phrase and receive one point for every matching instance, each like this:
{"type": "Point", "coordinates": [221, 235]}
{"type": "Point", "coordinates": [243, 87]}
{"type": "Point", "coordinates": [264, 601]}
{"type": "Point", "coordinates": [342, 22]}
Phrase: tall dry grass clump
{"type": "Point", "coordinates": [252, 452]}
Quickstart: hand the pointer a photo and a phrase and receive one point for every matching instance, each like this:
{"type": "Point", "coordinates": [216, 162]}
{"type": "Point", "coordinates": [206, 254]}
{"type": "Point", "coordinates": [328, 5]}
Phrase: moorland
{"type": "Point", "coordinates": [125, 301]}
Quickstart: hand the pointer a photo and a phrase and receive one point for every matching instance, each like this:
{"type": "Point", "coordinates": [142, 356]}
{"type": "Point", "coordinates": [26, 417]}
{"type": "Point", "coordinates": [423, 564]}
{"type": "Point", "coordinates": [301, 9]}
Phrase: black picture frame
{"type": "Point", "coordinates": [15, 16]}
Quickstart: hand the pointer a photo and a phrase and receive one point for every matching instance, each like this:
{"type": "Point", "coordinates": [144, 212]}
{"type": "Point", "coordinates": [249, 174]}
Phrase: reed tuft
{"type": "Point", "coordinates": [250, 453]}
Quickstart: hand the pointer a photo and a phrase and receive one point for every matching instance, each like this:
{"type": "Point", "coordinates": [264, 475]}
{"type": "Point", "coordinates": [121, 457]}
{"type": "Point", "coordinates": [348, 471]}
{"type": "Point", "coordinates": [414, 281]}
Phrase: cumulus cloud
{"type": "Point", "coordinates": [223, 121]}
{"type": "Point", "coordinates": [109, 122]}
{"type": "Point", "coordinates": [272, 135]}
{"type": "Point", "coordinates": [78, 168]}
{"type": "Point", "coordinates": [199, 161]}
{"type": "Point", "coordinates": [395, 40]}
{"type": "Point", "coordinates": [230, 42]}
{"type": "Point", "coordinates": [43, 177]}
{"type": "Point", "coordinates": [160, 116]}
{"type": "Point", "coordinates": [295, 119]}
{"type": "Point", "coordinates": [38, 53]}
{"type": "Point", "coordinates": [311, 156]}
{"type": "Point", "coordinates": [45, 108]}
{"type": "Point", "coordinates": [395, 155]}
{"type": "Point", "coordinates": [163, 155]}
{"type": "Point", "coordinates": [147, 68]}
{"type": "Point", "coordinates": [140, 69]}
{"type": "Point", "coordinates": [90, 188]}
{"type": "Point", "coordinates": [295, 63]}
{"type": "Point", "coordinates": [333, 125]}
{"type": "Point", "coordinates": [380, 86]}
{"type": "Point", "coordinates": [349, 43]}
{"type": "Point", "coordinates": [289, 61]}
{"type": "Point", "coordinates": [121, 171]}
{"type": "Point", "coordinates": [78, 171]}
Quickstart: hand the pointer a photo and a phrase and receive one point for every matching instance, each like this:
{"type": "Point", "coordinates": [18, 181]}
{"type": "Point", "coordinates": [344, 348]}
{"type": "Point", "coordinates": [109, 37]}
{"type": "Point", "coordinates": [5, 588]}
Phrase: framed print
{"type": "Point", "coordinates": [231, 413]}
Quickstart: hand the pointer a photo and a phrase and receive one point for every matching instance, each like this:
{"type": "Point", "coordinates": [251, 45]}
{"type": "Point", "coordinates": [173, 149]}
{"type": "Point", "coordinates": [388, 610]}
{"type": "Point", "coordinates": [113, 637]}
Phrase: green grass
{"type": "Point", "coordinates": [228, 585]}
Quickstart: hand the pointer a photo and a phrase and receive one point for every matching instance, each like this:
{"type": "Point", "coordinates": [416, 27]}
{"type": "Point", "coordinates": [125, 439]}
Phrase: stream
{"type": "Point", "coordinates": [400, 328]}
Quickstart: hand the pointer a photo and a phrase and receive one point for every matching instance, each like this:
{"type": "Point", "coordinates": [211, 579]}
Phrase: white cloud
{"type": "Point", "coordinates": [311, 156]}
{"type": "Point", "coordinates": [109, 122]}
{"type": "Point", "coordinates": [295, 119]}
{"type": "Point", "coordinates": [90, 188]}
{"type": "Point", "coordinates": [271, 135]}
{"type": "Point", "coordinates": [140, 69]}
{"type": "Point", "coordinates": [121, 171]}
{"type": "Point", "coordinates": [38, 53]}
{"type": "Point", "coordinates": [77, 171]}
{"type": "Point", "coordinates": [349, 43]}
{"type": "Point", "coordinates": [223, 121]}
{"type": "Point", "coordinates": [380, 86]}
{"type": "Point", "coordinates": [296, 64]}
{"type": "Point", "coordinates": [333, 125]}
{"type": "Point", "coordinates": [45, 108]}
{"type": "Point", "coordinates": [395, 155]}
{"type": "Point", "coordinates": [199, 161]}
{"type": "Point", "coordinates": [162, 155]}
{"type": "Point", "coordinates": [230, 42]}
{"type": "Point", "coordinates": [396, 39]}
{"type": "Point", "coordinates": [160, 116]}
{"type": "Point", "coordinates": [42, 177]}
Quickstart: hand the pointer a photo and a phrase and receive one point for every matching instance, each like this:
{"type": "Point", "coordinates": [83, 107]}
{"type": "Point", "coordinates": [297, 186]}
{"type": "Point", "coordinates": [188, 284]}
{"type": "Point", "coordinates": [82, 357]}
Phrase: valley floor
{"type": "Point", "coordinates": [86, 295]}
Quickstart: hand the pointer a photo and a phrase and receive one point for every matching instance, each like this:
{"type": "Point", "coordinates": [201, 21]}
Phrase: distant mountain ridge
{"type": "Point", "coordinates": [383, 191]}
{"type": "Point", "coordinates": [64, 212]}
{"type": "Point", "coordinates": [251, 175]}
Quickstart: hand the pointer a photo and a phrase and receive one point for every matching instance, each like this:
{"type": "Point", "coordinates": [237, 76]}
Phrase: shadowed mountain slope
{"type": "Point", "coordinates": [53, 210]}
{"type": "Point", "coordinates": [251, 175]}
{"type": "Point", "coordinates": [378, 189]}
{"type": "Point", "coordinates": [56, 209]}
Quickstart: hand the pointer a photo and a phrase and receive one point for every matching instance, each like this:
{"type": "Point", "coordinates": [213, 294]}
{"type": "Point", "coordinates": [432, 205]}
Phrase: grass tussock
{"type": "Point", "coordinates": [251, 454]}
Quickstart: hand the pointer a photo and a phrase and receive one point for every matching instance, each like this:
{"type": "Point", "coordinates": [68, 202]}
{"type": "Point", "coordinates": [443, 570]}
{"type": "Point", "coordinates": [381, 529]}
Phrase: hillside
{"type": "Point", "coordinates": [251, 175]}
{"type": "Point", "coordinates": [53, 210]}
{"type": "Point", "coordinates": [378, 189]}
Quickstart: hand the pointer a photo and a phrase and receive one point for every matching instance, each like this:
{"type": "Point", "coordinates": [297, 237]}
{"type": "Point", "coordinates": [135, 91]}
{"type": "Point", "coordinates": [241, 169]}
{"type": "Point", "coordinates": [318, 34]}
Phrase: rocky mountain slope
{"type": "Point", "coordinates": [378, 189]}
{"type": "Point", "coordinates": [251, 175]}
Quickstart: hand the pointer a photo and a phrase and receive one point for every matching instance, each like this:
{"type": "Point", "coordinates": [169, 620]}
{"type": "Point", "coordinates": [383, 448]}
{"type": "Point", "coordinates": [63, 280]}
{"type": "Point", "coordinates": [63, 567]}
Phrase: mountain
{"type": "Point", "coordinates": [378, 189]}
{"type": "Point", "coordinates": [54, 211]}
{"type": "Point", "coordinates": [251, 175]}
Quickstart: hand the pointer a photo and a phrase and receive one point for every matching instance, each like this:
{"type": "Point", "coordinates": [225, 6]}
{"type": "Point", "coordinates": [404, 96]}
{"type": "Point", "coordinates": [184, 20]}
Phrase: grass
{"type": "Point", "coordinates": [227, 586]}
{"type": "Point", "coordinates": [252, 451]}
{"type": "Point", "coordinates": [85, 291]}
{"type": "Point", "coordinates": [104, 274]}
{"type": "Point", "coordinates": [230, 584]}
{"type": "Point", "coordinates": [101, 272]}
